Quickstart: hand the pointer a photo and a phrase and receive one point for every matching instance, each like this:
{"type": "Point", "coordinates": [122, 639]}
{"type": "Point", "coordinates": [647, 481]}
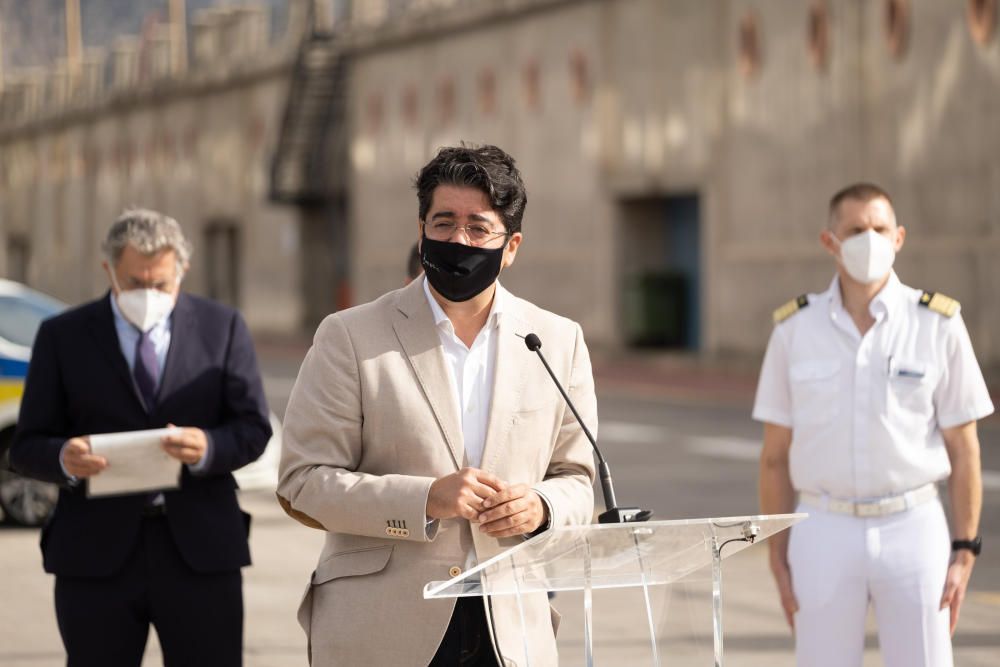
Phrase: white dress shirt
{"type": "Point", "coordinates": [471, 370]}
{"type": "Point", "coordinates": [866, 412]}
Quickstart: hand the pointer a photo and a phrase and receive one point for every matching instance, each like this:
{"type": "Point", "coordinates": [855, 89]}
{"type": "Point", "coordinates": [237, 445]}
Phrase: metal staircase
{"type": "Point", "coordinates": [309, 163]}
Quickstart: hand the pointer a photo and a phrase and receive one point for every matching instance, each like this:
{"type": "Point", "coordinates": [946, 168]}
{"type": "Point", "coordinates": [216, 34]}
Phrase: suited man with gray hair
{"type": "Point", "coordinates": [144, 356]}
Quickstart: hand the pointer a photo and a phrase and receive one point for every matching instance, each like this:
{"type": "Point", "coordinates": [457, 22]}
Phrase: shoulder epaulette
{"type": "Point", "coordinates": [790, 308]}
{"type": "Point", "coordinates": [939, 303]}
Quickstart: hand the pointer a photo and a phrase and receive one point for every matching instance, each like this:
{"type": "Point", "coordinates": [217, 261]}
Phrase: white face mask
{"type": "Point", "coordinates": [144, 307]}
{"type": "Point", "coordinates": [867, 257]}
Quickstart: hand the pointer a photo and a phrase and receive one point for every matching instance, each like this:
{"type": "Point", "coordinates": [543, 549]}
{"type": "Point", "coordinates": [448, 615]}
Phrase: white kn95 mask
{"type": "Point", "coordinates": [868, 256]}
{"type": "Point", "coordinates": [145, 307]}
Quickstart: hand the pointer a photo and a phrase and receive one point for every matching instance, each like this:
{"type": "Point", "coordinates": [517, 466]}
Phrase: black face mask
{"type": "Point", "coordinates": [459, 272]}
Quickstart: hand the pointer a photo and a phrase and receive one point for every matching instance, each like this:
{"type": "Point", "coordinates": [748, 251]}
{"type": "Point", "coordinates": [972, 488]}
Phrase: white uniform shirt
{"type": "Point", "coordinates": [866, 412]}
{"type": "Point", "coordinates": [471, 370]}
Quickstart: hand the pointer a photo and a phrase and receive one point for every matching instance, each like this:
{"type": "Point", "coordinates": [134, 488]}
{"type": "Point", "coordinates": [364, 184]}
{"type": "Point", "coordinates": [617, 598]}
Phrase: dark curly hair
{"type": "Point", "coordinates": [486, 168]}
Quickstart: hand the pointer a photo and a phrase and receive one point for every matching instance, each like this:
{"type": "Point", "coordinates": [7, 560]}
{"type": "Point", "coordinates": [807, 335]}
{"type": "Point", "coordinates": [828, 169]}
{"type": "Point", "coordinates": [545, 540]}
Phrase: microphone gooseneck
{"type": "Point", "coordinates": [614, 514]}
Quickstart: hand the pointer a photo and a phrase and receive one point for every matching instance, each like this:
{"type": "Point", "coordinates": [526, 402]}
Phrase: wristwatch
{"type": "Point", "coordinates": [975, 545]}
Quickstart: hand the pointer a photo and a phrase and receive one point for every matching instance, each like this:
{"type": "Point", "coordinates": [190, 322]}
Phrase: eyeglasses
{"type": "Point", "coordinates": [477, 233]}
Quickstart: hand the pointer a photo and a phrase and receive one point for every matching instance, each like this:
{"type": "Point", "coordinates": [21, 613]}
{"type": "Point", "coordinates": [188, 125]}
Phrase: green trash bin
{"type": "Point", "coordinates": [655, 308]}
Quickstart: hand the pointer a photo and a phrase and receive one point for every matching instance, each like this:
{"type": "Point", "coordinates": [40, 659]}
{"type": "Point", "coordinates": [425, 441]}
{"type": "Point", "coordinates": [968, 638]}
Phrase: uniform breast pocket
{"type": "Point", "coordinates": [910, 385]}
{"type": "Point", "coordinates": [815, 391]}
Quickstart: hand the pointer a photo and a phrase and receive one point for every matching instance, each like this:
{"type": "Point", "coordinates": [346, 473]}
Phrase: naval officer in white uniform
{"type": "Point", "coordinates": [869, 395]}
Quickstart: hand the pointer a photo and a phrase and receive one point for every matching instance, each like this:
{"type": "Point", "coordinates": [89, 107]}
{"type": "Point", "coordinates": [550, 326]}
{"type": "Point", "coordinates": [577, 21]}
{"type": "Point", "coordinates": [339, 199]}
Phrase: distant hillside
{"type": "Point", "coordinates": [33, 32]}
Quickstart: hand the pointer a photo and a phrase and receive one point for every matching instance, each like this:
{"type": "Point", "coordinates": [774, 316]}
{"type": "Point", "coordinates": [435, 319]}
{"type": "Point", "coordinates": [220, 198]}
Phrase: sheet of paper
{"type": "Point", "coordinates": [136, 463]}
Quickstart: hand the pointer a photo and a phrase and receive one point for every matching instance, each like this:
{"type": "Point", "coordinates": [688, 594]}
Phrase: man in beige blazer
{"type": "Point", "coordinates": [424, 437]}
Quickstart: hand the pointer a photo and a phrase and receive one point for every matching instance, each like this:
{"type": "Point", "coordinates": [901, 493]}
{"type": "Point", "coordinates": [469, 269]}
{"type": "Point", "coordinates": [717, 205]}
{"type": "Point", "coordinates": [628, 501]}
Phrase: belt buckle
{"type": "Point", "coordinates": [840, 506]}
{"type": "Point", "coordinates": [884, 507]}
{"type": "Point", "coordinates": [868, 510]}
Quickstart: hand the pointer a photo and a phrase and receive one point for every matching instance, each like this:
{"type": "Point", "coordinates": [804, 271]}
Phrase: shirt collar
{"type": "Point", "coordinates": [492, 320]}
{"type": "Point", "coordinates": [884, 303]}
{"type": "Point", "coordinates": [890, 296]}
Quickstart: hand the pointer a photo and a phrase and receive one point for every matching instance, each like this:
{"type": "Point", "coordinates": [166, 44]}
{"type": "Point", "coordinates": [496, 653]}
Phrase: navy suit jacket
{"type": "Point", "coordinates": [79, 384]}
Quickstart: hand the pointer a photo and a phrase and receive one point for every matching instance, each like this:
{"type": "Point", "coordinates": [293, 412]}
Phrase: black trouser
{"type": "Point", "coordinates": [198, 617]}
{"type": "Point", "coordinates": [467, 640]}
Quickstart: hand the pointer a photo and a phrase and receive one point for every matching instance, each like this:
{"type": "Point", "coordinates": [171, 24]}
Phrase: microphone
{"type": "Point", "coordinates": [613, 514]}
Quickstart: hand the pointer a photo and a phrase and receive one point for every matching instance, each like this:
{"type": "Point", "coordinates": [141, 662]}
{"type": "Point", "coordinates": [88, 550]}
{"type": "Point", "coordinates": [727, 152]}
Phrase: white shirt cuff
{"type": "Point", "coordinates": [548, 511]}
{"type": "Point", "coordinates": [202, 465]}
{"type": "Point", "coordinates": [72, 479]}
{"type": "Point", "coordinates": [430, 525]}
{"type": "Point", "coordinates": [772, 416]}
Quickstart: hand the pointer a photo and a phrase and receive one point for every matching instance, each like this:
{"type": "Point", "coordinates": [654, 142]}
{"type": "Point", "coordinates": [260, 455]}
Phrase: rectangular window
{"type": "Point", "coordinates": [18, 256]}
{"type": "Point", "coordinates": [222, 262]}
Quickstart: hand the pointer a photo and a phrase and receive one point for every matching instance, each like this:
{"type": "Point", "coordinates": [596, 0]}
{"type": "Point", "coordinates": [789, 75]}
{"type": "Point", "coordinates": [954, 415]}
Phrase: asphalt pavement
{"type": "Point", "coordinates": [680, 441]}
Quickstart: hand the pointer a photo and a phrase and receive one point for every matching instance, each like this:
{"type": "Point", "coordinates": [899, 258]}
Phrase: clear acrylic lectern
{"type": "Point", "coordinates": [620, 555]}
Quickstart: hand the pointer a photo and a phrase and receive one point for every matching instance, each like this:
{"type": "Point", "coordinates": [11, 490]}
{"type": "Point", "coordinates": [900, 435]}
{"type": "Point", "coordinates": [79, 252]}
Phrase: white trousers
{"type": "Point", "coordinates": [840, 563]}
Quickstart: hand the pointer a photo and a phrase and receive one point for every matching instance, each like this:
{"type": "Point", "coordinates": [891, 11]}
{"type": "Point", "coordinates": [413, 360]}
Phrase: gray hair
{"type": "Point", "coordinates": [147, 231]}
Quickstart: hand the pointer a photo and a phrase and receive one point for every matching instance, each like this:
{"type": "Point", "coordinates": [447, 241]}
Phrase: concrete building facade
{"type": "Point", "coordinates": [696, 139]}
{"type": "Point", "coordinates": [195, 144]}
{"type": "Point", "coordinates": [670, 147]}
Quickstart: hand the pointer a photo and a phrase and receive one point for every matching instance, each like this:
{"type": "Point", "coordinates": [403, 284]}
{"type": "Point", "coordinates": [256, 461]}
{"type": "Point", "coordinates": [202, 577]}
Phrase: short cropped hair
{"type": "Point", "coordinates": [863, 192]}
{"type": "Point", "coordinates": [486, 168]}
{"type": "Point", "coordinates": [147, 231]}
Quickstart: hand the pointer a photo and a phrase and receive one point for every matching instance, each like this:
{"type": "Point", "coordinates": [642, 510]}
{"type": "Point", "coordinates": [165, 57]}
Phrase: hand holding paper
{"type": "Point", "coordinates": [187, 445]}
{"type": "Point", "coordinates": [136, 462]}
{"type": "Point", "coordinates": [79, 461]}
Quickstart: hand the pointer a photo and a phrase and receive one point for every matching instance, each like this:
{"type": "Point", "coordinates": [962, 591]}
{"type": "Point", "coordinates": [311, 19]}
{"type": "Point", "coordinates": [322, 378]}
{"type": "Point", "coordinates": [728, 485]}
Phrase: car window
{"type": "Point", "coordinates": [20, 317]}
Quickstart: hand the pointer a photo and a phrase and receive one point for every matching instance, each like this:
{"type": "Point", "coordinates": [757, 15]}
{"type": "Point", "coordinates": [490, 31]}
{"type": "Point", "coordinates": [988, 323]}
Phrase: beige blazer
{"type": "Point", "coordinates": [372, 422]}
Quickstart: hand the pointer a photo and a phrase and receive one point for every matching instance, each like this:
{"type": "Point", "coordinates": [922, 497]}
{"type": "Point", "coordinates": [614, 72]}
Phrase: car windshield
{"type": "Point", "coordinates": [21, 315]}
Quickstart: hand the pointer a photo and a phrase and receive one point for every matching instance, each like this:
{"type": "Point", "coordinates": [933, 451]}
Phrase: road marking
{"type": "Point", "coordinates": [634, 434]}
{"type": "Point", "coordinates": [719, 447]}
{"type": "Point", "coordinates": [735, 449]}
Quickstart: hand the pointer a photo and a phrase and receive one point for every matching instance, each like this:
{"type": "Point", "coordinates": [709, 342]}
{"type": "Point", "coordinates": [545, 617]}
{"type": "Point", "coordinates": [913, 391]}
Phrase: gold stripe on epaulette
{"type": "Point", "coordinates": [939, 303]}
{"type": "Point", "coordinates": [790, 308]}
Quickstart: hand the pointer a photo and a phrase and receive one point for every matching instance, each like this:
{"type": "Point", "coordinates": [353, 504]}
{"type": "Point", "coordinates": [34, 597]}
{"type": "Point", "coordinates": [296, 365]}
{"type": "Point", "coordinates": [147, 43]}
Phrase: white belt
{"type": "Point", "coordinates": [871, 508]}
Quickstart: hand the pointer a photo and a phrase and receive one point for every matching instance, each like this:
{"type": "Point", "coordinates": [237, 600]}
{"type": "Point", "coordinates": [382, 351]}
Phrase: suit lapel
{"type": "Point", "coordinates": [417, 333]}
{"type": "Point", "coordinates": [508, 381]}
{"type": "Point", "coordinates": [181, 323]}
{"type": "Point", "coordinates": [103, 330]}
